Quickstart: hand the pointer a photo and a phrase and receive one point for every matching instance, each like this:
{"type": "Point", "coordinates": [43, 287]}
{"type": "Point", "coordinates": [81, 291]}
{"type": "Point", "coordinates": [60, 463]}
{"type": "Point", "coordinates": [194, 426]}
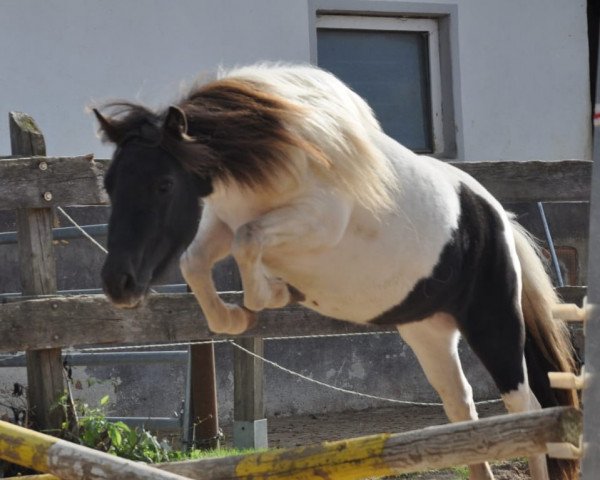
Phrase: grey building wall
{"type": "Point", "coordinates": [520, 69]}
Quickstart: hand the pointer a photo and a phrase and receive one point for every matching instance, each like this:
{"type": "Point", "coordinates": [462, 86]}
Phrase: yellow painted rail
{"type": "Point", "coordinates": [42, 476]}
{"type": "Point", "coordinates": [69, 461]}
{"type": "Point", "coordinates": [495, 438]}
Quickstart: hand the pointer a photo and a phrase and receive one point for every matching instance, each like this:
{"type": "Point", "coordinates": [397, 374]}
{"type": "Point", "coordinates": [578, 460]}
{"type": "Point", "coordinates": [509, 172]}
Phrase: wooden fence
{"type": "Point", "coordinates": [495, 438]}
{"type": "Point", "coordinates": [41, 323]}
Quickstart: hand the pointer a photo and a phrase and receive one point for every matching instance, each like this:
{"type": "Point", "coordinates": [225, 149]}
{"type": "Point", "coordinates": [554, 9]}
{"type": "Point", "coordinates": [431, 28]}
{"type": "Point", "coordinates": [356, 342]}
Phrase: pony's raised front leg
{"type": "Point", "coordinates": [212, 243]}
{"type": "Point", "coordinates": [308, 226]}
{"type": "Point", "coordinates": [435, 344]}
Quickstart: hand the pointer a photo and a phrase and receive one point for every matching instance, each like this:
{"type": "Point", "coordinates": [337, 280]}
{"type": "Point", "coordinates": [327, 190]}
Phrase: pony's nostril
{"type": "Point", "coordinates": [118, 284]}
{"type": "Point", "coordinates": [126, 282]}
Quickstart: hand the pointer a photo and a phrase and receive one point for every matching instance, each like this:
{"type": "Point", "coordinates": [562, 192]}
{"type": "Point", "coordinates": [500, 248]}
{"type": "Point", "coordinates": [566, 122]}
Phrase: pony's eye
{"type": "Point", "coordinates": [165, 186]}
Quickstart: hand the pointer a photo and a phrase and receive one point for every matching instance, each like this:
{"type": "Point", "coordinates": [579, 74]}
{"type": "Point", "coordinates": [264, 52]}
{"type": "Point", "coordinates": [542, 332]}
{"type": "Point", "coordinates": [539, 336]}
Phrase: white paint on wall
{"type": "Point", "coordinates": [59, 55]}
{"type": "Point", "coordinates": [523, 66]}
{"type": "Point", "coordinates": [524, 76]}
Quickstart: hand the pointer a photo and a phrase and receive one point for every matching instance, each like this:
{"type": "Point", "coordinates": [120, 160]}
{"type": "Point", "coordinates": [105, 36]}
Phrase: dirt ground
{"type": "Point", "coordinates": [300, 430]}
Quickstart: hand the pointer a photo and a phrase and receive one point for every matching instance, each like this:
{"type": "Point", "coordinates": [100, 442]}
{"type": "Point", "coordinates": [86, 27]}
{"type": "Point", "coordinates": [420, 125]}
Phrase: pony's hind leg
{"type": "Point", "coordinates": [312, 224]}
{"type": "Point", "coordinates": [435, 344]}
{"type": "Point", "coordinates": [495, 335]}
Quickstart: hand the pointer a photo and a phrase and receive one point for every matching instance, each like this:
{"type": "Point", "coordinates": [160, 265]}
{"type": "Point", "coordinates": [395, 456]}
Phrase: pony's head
{"type": "Point", "coordinates": [155, 200]}
{"type": "Point", "coordinates": [238, 132]}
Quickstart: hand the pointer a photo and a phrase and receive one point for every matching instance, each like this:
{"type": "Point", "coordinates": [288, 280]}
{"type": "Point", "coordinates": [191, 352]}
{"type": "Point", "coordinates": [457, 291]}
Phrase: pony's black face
{"type": "Point", "coordinates": [154, 217]}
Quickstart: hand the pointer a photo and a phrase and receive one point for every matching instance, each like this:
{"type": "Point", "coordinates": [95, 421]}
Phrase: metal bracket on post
{"type": "Point", "coordinates": [250, 434]}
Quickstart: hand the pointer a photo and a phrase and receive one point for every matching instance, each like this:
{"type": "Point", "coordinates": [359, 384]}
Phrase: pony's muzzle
{"type": "Point", "coordinates": [120, 286]}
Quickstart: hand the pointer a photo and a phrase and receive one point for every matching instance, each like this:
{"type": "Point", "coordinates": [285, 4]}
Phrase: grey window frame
{"type": "Point", "coordinates": [428, 26]}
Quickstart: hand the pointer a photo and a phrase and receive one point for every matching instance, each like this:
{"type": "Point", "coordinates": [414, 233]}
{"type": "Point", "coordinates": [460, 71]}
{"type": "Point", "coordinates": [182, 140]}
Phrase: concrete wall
{"type": "Point", "coordinates": [520, 69]}
{"type": "Point", "coordinates": [519, 78]}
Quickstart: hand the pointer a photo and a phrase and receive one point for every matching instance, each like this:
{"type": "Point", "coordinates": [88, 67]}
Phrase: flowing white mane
{"type": "Point", "coordinates": [338, 122]}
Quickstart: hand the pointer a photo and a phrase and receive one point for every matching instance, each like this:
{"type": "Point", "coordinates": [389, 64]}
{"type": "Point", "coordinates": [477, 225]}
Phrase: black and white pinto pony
{"type": "Point", "coordinates": [319, 206]}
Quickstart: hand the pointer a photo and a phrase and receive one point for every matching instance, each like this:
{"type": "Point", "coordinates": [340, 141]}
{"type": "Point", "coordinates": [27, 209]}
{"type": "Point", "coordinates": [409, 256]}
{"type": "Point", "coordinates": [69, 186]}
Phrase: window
{"type": "Point", "coordinates": [393, 63]}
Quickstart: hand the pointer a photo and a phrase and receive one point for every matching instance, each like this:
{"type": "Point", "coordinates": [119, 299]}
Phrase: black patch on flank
{"type": "Point", "coordinates": [295, 294]}
{"type": "Point", "coordinates": [474, 281]}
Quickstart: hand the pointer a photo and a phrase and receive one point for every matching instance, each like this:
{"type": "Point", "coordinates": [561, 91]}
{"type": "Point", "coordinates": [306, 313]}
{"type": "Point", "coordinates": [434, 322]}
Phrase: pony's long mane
{"type": "Point", "coordinates": [334, 121]}
{"type": "Point", "coordinates": [253, 125]}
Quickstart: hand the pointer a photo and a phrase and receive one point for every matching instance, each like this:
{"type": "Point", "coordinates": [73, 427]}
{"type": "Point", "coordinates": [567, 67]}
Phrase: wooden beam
{"type": "Point", "coordinates": [495, 438]}
{"type": "Point", "coordinates": [41, 182]}
{"type": "Point", "coordinates": [90, 319]}
{"type": "Point", "coordinates": [38, 277]}
{"type": "Point", "coordinates": [249, 422]}
{"type": "Point", "coordinates": [202, 422]}
{"type": "Point", "coordinates": [533, 181]}
{"type": "Point", "coordinates": [526, 181]}
{"type": "Point", "coordinates": [68, 460]}
{"type": "Point", "coordinates": [78, 180]}
{"type": "Point", "coordinates": [42, 476]}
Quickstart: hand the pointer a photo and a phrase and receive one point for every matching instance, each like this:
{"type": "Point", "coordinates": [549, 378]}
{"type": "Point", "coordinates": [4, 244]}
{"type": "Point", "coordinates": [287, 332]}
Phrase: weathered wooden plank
{"type": "Point", "coordinates": [68, 460]}
{"type": "Point", "coordinates": [41, 182]}
{"type": "Point", "coordinates": [572, 294]}
{"type": "Point", "coordinates": [78, 180]}
{"type": "Point", "coordinates": [176, 317]}
{"type": "Point", "coordinates": [248, 402]}
{"type": "Point", "coordinates": [533, 181]}
{"type": "Point", "coordinates": [38, 277]}
{"type": "Point", "coordinates": [249, 422]}
{"type": "Point", "coordinates": [526, 181]}
{"type": "Point", "coordinates": [202, 422]}
{"type": "Point", "coordinates": [495, 438]}
{"type": "Point", "coordinates": [91, 319]}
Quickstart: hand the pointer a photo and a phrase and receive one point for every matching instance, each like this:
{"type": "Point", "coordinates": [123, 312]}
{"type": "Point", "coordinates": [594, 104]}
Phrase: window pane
{"type": "Point", "coordinates": [390, 70]}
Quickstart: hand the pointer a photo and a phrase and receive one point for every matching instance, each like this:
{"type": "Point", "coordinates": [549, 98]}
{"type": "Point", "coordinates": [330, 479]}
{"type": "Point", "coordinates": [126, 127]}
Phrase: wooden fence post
{"type": "Point", "coordinates": [249, 422]}
{"type": "Point", "coordinates": [201, 416]}
{"type": "Point", "coordinates": [38, 277]}
{"type": "Point", "coordinates": [201, 410]}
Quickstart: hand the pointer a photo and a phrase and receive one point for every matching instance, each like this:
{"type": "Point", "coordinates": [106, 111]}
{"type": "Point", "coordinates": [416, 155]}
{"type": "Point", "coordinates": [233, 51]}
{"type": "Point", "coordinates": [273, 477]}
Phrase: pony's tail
{"type": "Point", "coordinates": [548, 346]}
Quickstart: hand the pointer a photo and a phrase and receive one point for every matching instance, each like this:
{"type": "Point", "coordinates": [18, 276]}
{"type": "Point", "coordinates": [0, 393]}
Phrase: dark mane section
{"type": "Point", "coordinates": [239, 131]}
{"type": "Point", "coordinates": [126, 120]}
{"type": "Point", "coordinates": [236, 131]}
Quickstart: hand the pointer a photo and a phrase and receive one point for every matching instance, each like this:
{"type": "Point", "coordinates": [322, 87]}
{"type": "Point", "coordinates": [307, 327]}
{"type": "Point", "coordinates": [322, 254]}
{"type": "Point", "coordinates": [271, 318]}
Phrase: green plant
{"type": "Point", "coordinates": [94, 430]}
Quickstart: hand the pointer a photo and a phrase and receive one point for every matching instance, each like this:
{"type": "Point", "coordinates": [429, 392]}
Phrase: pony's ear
{"type": "Point", "coordinates": [176, 122]}
{"type": "Point", "coordinates": [108, 131]}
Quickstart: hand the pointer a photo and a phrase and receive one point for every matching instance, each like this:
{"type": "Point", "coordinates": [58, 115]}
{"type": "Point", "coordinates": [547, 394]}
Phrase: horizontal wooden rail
{"type": "Point", "coordinates": [41, 476]}
{"type": "Point", "coordinates": [527, 181]}
{"type": "Point", "coordinates": [494, 438]}
{"type": "Point", "coordinates": [37, 182]}
{"type": "Point", "coordinates": [70, 461]}
{"type": "Point", "coordinates": [41, 182]}
{"type": "Point", "coordinates": [533, 181]}
{"type": "Point", "coordinates": [80, 320]}
{"type": "Point", "coordinates": [91, 319]}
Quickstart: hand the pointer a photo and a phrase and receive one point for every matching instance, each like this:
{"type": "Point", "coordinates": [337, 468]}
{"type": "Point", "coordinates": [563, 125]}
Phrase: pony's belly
{"type": "Point", "coordinates": [351, 289]}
